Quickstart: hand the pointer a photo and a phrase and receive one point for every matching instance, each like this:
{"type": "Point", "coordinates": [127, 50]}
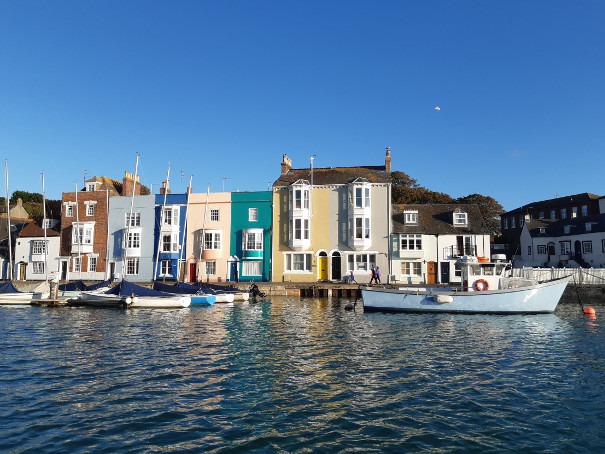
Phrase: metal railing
{"type": "Point", "coordinates": [580, 275]}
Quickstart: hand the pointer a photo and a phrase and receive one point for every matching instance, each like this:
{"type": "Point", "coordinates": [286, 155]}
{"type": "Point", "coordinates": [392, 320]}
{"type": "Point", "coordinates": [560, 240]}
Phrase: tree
{"type": "Point", "coordinates": [405, 189]}
{"type": "Point", "coordinates": [490, 209]}
{"type": "Point", "coordinates": [26, 197]}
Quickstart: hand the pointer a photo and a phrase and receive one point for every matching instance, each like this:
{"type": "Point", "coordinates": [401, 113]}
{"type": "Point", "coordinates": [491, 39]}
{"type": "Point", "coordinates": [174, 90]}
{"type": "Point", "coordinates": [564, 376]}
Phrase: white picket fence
{"type": "Point", "coordinates": [579, 275]}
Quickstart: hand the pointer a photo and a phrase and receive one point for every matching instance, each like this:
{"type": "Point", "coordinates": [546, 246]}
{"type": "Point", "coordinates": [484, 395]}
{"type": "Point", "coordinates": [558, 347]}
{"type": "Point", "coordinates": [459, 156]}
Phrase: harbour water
{"type": "Point", "coordinates": [292, 375]}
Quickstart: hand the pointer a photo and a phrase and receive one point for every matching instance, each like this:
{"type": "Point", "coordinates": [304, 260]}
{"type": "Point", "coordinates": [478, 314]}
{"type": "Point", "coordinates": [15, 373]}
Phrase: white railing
{"type": "Point", "coordinates": [580, 275]}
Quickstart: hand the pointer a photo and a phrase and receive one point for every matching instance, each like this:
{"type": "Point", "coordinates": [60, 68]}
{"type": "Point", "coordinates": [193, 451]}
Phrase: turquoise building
{"type": "Point", "coordinates": [251, 217]}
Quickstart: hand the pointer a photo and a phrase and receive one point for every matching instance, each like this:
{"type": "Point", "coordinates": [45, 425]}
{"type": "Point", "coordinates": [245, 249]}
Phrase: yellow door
{"type": "Point", "coordinates": [323, 268]}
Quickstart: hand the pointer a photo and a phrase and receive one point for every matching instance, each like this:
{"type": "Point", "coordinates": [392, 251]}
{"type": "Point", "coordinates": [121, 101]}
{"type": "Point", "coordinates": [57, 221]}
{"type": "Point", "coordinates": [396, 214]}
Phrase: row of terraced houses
{"type": "Point", "coordinates": [315, 224]}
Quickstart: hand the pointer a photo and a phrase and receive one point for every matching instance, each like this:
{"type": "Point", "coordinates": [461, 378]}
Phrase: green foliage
{"type": "Point", "coordinates": [26, 197]}
{"type": "Point", "coordinates": [406, 190]}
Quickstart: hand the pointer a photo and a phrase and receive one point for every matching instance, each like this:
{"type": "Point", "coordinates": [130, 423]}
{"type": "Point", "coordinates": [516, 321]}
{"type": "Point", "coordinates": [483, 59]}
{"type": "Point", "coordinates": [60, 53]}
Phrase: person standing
{"type": "Point", "coordinates": [377, 277]}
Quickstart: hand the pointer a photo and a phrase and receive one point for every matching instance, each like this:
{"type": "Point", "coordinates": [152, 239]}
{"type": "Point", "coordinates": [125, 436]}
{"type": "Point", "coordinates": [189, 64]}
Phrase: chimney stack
{"type": "Point", "coordinates": [387, 160]}
{"type": "Point", "coordinates": [286, 165]}
{"type": "Point", "coordinates": [165, 189]}
{"type": "Point", "coordinates": [128, 184]}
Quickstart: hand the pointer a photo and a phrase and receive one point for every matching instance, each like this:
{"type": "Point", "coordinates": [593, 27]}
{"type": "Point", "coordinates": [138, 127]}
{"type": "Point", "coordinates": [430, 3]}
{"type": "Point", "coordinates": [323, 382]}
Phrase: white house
{"type": "Point", "coordinates": [570, 243]}
{"type": "Point", "coordinates": [35, 258]}
{"type": "Point", "coordinates": [427, 240]}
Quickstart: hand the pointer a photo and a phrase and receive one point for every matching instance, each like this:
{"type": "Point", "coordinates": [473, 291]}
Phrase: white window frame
{"type": "Point", "coordinates": [210, 268]}
{"type": "Point", "coordinates": [133, 240]}
{"type": "Point", "coordinates": [135, 220]}
{"type": "Point", "coordinates": [411, 217]}
{"type": "Point", "coordinates": [565, 247]}
{"type": "Point", "coordinates": [588, 226]}
{"type": "Point", "coordinates": [38, 267]}
{"type": "Point", "coordinates": [215, 215]}
{"type": "Point", "coordinates": [505, 223]}
{"type": "Point", "coordinates": [166, 268]}
{"type": "Point", "coordinates": [410, 242]}
{"type": "Point", "coordinates": [252, 241]}
{"type": "Point", "coordinates": [252, 214]}
{"type": "Point", "coordinates": [92, 263]}
{"type": "Point", "coordinates": [361, 261]}
{"type": "Point", "coordinates": [83, 234]}
{"type": "Point", "coordinates": [553, 214]}
{"type": "Point", "coordinates": [563, 213]}
{"type": "Point", "coordinates": [252, 268]}
{"type": "Point", "coordinates": [541, 249]}
{"type": "Point", "coordinates": [298, 262]}
{"type": "Point", "coordinates": [132, 266]}
{"type": "Point", "coordinates": [587, 247]}
{"type": "Point", "coordinates": [90, 209]}
{"type": "Point", "coordinates": [172, 240]}
{"type": "Point", "coordinates": [212, 241]}
{"type": "Point", "coordinates": [584, 210]}
{"type": "Point", "coordinates": [69, 211]}
{"type": "Point", "coordinates": [411, 269]}
{"type": "Point", "coordinates": [38, 247]}
{"type": "Point", "coordinates": [460, 218]}
{"type": "Point", "coordinates": [77, 265]}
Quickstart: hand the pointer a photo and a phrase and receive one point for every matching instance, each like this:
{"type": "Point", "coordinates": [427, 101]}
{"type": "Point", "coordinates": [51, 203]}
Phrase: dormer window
{"type": "Point", "coordinates": [566, 229]}
{"type": "Point", "coordinates": [588, 226]}
{"type": "Point", "coordinates": [91, 187]}
{"type": "Point", "coordinates": [461, 219]}
{"type": "Point", "coordinates": [411, 217]}
{"type": "Point", "coordinates": [542, 231]}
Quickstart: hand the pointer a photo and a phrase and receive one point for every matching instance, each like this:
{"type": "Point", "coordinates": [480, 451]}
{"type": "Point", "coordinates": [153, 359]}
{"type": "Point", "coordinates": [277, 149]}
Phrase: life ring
{"type": "Point", "coordinates": [483, 259]}
{"type": "Point", "coordinates": [481, 285]}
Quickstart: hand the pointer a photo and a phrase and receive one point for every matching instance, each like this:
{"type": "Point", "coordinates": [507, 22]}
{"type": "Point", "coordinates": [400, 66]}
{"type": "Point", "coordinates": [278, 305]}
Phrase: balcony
{"type": "Point", "coordinates": [456, 251]}
{"type": "Point", "coordinates": [81, 249]}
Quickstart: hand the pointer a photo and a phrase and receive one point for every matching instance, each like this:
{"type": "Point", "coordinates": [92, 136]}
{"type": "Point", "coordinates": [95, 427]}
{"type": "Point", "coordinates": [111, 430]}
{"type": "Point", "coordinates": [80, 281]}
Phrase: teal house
{"type": "Point", "coordinates": [251, 218]}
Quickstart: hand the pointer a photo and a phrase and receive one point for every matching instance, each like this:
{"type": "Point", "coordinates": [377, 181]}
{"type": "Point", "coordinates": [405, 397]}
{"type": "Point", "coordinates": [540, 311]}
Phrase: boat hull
{"type": "Point", "coordinates": [203, 300]}
{"type": "Point", "coordinates": [21, 299]}
{"type": "Point", "coordinates": [536, 299]}
{"type": "Point", "coordinates": [108, 300]}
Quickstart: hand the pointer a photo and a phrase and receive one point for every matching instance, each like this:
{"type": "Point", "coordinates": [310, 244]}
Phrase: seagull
{"type": "Point", "coordinates": [437, 108]}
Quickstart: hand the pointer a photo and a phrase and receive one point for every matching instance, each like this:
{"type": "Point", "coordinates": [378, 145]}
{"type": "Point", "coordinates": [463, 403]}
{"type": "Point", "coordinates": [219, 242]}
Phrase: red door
{"type": "Point", "coordinates": [192, 272]}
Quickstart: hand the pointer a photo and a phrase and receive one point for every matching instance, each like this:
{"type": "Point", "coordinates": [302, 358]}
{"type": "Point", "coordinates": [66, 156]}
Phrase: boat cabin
{"type": "Point", "coordinates": [479, 274]}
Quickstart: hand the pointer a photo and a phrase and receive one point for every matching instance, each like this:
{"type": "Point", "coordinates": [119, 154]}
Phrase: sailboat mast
{"type": "Point", "coordinates": [8, 218]}
{"type": "Point", "coordinates": [127, 242]}
{"type": "Point", "coordinates": [79, 233]}
{"type": "Point", "coordinates": [44, 226]}
{"type": "Point", "coordinates": [157, 255]}
{"type": "Point", "coordinates": [204, 228]}
{"type": "Point", "coordinates": [184, 230]}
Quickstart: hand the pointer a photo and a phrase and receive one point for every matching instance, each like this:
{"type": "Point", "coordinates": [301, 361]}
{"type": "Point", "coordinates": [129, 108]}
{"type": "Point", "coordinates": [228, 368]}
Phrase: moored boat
{"type": "Point", "coordinates": [126, 294]}
{"type": "Point", "coordinates": [484, 289]}
{"type": "Point", "coordinates": [12, 296]}
{"type": "Point", "coordinates": [198, 298]}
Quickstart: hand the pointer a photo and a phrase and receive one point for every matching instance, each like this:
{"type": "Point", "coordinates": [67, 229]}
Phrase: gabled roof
{"type": "Point", "coordinates": [437, 219]}
{"type": "Point", "coordinates": [553, 203]}
{"type": "Point", "coordinates": [33, 230]}
{"type": "Point", "coordinates": [114, 186]}
{"type": "Point", "coordinates": [556, 227]}
{"type": "Point", "coordinates": [335, 175]}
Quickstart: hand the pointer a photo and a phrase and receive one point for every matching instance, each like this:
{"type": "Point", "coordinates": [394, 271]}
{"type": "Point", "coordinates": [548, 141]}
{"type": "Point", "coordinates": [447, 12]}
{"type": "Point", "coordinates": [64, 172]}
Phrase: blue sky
{"type": "Point", "coordinates": [223, 89]}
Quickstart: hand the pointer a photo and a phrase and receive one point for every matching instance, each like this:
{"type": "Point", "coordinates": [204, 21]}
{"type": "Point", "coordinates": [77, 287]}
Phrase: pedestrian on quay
{"type": "Point", "coordinates": [373, 277]}
{"type": "Point", "coordinates": [377, 277]}
{"type": "Point", "coordinates": [352, 278]}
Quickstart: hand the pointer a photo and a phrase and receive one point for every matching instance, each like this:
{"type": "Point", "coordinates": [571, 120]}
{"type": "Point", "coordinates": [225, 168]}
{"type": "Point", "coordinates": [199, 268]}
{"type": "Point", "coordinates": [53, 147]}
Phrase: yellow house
{"type": "Point", "coordinates": [328, 222]}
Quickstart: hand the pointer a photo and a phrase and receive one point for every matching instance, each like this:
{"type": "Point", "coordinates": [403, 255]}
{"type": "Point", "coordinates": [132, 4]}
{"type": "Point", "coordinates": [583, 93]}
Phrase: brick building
{"type": "Point", "coordinates": [84, 245]}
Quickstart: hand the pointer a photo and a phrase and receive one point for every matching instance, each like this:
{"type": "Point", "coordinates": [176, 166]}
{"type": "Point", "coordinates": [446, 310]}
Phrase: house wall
{"type": "Point", "coordinates": [23, 254]}
{"type": "Point", "coordinates": [241, 202]}
{"type": "Point", "coordinates": [176, 203]}
{"type": "Point", "coordinates": [118, 208]}
{"type": "Point", "coordinates": [99, 246]}
{"type": "Point", "coordinates": [329, 233]}
{"type": "Point", "coordinates": [196, 258]}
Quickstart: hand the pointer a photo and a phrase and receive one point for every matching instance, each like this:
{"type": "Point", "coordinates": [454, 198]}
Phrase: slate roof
{"type": "Point", "coordinates": [556, 227]}
{"type": "Point", "coordinates": [335, 175]}
{"type": "Point", "coordinates": [553, 203]}
{"type": "Point", "coordinates": [437, 219]}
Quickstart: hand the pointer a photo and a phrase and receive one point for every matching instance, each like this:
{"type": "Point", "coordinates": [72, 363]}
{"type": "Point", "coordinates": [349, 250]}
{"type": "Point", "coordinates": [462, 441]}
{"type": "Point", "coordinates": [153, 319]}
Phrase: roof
{"type": "Point", "coordinates": [34, 230]}
{"type": "Point", "coordinates": [437, 219]}
{"type": "Point", "coordinates": [335, 175]}
{"type": "Point", "coordinates": [552, 203]}
{"type": "Point", "coordinates": [556, 227]}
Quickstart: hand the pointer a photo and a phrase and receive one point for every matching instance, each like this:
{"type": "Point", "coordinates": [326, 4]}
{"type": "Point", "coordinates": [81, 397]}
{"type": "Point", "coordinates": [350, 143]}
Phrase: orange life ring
{"type": "Point", "coordinates": [483, 283]}
{"type": "Point", "coordinates": [482, 259]}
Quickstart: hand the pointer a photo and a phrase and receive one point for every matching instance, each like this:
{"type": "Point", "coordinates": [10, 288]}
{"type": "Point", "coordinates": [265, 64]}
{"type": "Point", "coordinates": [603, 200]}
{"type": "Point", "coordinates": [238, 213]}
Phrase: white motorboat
{"type": "Point", "coordinates": [484, 289]}
{"type": "Point", "coordinates": [12, 296]}
{"type": "Point", "coordinates": [126, 294]}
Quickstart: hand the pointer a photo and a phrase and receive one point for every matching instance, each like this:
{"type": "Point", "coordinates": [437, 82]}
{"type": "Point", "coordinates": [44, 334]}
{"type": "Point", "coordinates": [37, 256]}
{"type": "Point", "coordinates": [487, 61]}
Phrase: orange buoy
{"type": "Point", "coordinates": [481, 285]}
{"type": "Point", "coordinates": [589, 311]}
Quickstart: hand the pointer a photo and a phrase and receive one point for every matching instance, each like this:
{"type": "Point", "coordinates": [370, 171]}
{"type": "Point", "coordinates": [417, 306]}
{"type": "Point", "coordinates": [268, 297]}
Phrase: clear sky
{"type": "Point", "coordinates": [224, 88]}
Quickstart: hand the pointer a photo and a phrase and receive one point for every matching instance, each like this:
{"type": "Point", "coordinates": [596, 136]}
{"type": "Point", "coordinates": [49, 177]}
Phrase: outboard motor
{"type": "Point", "coordinates": [255, 291]}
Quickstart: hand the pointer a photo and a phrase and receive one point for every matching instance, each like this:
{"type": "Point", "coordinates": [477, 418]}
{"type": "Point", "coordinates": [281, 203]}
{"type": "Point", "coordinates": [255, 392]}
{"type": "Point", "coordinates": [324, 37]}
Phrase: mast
{"type": "Point", "coordinates": [185, 229]}
{"type": "Point", "coordinates": [44, 225]}
{"type": "Point", "coordinates": [204, 227]}
{"type": "Point", "coordinates": [78, 235]}
{"type": "Point", "coordinates": [157, 255]}
{"type": "Point", "coordinates": [8, 218]}
{"type": "Point", "coordinates": [134, 186]}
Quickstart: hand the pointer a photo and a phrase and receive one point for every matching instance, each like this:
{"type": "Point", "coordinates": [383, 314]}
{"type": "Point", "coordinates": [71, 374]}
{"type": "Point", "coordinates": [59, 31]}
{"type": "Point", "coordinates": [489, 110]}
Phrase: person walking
{"type": "Point", "coordinates": [373, 277]}
{"type": "Point", "coordinates": [377, 277]}
{"type": "Point", "coordinates": [352, 278]}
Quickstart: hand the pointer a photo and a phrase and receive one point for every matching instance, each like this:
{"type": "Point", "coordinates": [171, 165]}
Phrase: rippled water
{"type": "Point", "coordinates": [299, 376]}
